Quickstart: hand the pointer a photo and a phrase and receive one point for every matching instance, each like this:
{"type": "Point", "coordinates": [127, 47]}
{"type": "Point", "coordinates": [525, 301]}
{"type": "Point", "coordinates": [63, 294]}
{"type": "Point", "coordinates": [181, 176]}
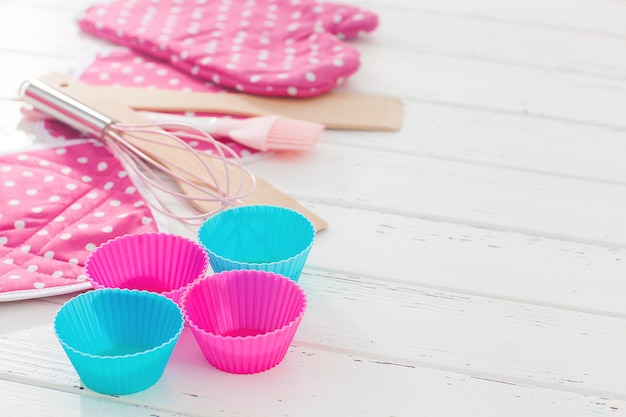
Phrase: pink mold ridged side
{"type": "Point", "coordinates": [157, 262]}
{"type": "Point", "coordinates": [244, 320]}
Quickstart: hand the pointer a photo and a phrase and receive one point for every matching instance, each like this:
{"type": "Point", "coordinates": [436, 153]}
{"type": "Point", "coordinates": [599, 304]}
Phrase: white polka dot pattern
{"type": "Point", "coordinates": [242, 45]}
{"type": "Point", "coordinates": [48, 229]}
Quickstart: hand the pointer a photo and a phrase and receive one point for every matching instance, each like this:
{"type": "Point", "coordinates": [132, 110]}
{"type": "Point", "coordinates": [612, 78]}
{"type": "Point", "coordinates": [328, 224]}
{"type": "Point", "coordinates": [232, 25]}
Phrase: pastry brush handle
{"type": "Point", "coordinates": [210, 124]}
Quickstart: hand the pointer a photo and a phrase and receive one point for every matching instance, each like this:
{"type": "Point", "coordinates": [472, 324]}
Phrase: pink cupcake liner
{"type": "Point", "coordinates": [244, 320]}
{"type": "Point", "coordinates": [157, 262]}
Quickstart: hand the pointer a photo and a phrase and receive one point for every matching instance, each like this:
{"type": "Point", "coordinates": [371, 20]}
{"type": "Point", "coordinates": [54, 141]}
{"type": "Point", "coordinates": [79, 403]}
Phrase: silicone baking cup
{"type": "Point", "coordinates": [244, 320]}
{"type": "Point", "coordinates": [259, 237]}
{"type": "Point", "coordinates": [158, 262]}
{"type": "Point", "coordinates": [119, 341]}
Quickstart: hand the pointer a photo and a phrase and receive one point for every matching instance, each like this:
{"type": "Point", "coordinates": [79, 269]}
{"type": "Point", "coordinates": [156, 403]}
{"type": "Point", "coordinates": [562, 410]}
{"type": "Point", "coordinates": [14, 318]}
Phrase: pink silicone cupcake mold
{"type": "Point", "coordinates": [157, 262]}
{"type": "Point", "coordinates": [244, 320]}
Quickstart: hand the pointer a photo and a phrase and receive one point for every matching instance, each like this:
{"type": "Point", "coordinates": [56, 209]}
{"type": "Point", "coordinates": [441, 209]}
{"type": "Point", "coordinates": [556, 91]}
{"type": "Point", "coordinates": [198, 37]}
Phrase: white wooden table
{"type": "Point", "coordinates": [475, 262]}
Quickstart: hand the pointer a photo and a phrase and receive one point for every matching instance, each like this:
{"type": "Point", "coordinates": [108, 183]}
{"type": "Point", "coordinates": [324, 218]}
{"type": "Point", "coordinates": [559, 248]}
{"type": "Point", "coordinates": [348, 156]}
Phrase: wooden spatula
{"type": "Point", "coordinates": [334, 110]}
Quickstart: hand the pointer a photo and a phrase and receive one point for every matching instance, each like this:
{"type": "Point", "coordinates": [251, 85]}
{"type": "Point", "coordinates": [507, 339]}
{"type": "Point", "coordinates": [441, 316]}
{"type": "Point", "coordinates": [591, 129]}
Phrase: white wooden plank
{"type": "Point", "coordinates": [481, 136]}
{"type": "Point", "coordinates": [20, 400]}
{"type": "Point", "coordinates": [418, 30]}
{"type": "Point", "coordinates": [591, 16]}
{"type": "Point", "coordinates": [484, 196]}
{"type": "Point", "coordinates": [470, 260]}
{"type": "Point", "coordinates": [517, 342]}
{"type": "Point", "coordinates": [309, 382]}
{"type": "Point", "coordinates": [15, 132]}
{"type": "Point", "coordinates": [24, 66]}
{"type": "Point", "coordinates": [491, 86]}
{"type": "Point", "coordinates": [500, 41]}
{"type": "Point", "coordinates": [312, 382]}
{"type": "Point", "coordinates": [27, 28]}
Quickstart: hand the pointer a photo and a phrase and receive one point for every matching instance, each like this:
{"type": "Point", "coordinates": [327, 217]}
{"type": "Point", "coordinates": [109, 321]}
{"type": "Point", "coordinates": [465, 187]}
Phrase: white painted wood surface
{"type": "Point", "coordinates": [475, 263]}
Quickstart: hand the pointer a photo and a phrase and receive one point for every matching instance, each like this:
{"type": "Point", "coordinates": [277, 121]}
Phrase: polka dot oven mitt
{"type": "Point", "coordinates": [265, 47]}
{"type": "Point", "coordinates": [58, 205]}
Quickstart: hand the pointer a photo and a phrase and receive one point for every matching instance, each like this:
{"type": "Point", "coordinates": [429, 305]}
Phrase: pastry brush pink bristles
{"type": "Point", "coordinates": [262, 133]}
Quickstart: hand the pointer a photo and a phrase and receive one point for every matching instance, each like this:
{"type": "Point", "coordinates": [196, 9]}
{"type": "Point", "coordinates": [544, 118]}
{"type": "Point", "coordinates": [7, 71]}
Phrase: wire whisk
{"type": "Point", "coordinates": [155, 153]}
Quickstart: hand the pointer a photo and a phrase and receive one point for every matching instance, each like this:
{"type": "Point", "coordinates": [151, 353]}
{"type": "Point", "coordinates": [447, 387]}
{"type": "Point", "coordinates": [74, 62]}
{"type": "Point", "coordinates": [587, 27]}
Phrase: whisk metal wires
{"type": "Point", "coordinates": [131, 144]}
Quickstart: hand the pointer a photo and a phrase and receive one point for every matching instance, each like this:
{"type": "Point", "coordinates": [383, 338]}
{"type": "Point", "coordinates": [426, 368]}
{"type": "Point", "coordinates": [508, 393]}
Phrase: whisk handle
{"type": "Point", "coordinates": [64, 108]}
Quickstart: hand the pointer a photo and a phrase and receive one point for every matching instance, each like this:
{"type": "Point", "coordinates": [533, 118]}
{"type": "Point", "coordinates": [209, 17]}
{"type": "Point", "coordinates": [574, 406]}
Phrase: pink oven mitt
{"type": "Point", "coordinates": [57, 205]}
{"type": "Point", "coordinates": [266, 47]}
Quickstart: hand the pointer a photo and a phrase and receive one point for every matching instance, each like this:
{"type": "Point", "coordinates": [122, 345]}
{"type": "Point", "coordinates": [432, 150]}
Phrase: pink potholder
{"type": "Point", "coordinates": [267, 47]}
{"type": "Point", "coordinates": [57, 205]}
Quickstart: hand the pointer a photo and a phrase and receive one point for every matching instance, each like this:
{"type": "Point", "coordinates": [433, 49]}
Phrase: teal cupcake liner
{"type": "Point", "coordinates": [258, 237]}
{"type": "Point", "coordinates": [119, 340]}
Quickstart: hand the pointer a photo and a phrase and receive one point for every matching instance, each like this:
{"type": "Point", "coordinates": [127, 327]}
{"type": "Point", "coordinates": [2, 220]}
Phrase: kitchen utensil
{"type": "Point", "coordinates": [263, 133]}
{"type": "Point", "coordinates": [335, 110]}
{"type": "Point", "coordinates": [207, 182]}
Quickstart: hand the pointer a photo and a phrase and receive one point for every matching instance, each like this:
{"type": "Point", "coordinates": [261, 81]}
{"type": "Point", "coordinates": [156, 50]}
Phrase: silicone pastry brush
{"type": "Point", "coordinates": [262, 133]}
